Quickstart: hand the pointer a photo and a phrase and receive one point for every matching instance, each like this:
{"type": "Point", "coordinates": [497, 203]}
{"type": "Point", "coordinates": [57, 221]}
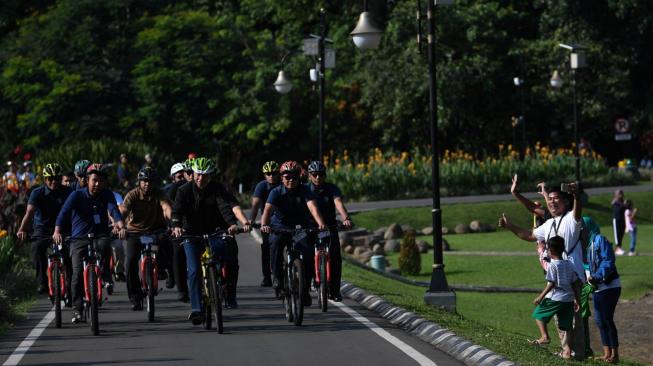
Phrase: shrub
{"type": "Point", "coordinates": [7, 256]}
{"type": "Point", "coordinates": [410, 261]}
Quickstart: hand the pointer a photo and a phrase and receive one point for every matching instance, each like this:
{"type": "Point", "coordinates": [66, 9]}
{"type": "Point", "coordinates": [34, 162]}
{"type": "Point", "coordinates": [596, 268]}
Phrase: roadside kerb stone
{"type": "Point", "coordinates": [446, 341]}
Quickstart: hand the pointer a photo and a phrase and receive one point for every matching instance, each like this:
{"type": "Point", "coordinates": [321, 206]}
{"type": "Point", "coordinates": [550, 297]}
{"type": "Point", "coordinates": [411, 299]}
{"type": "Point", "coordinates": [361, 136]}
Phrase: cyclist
{"type": "Point", "coordinates": [202, 207]}
{"type": "Point", "coordinates": [80, 174]}
{"type": "Point", "coordinates": [329, 199]}
{"type": "Point", "coordinates": [259, 197]}
{"type": "Point", "coordinates": [27, 178]}
{"type": "Point", "coordinates": [43, 206]}
{"type": "Point", "coordinates": [188, 172]}
{"type": "Point", "coordinates": [146, 209]}
{"type": "Point", "coordinates": [178, 175]}
{"type": "Point", "coordinates": [86, 210]}
{"type": "Point", "coordinates": [288, 205]}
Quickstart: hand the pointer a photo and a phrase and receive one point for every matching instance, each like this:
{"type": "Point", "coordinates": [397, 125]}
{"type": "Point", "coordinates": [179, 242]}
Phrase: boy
{"type": "Point", "coordinates": [559, 297]}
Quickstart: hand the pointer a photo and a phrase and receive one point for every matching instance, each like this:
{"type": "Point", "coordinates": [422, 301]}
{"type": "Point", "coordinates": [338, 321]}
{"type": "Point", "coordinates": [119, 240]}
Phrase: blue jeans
{"type": "Point", "coordinates": [605, 302]}
{"type": "Point", "coordinates": [194, 249]}
{"type": "Point", "coordinates": [633, 239]}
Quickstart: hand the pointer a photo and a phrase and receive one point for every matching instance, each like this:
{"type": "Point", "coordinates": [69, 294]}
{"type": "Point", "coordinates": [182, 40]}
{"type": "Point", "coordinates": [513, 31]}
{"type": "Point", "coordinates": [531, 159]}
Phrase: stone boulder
{"type": "Point", "coordinates": [446, 230]}
{"type": "Point", "coordinates": [422, 246]}
{"type": "Point", "coordinates": [365, 256]}
{"type": "Point", "coordinates": [349, 249]}
{"type": "Point", "coordinates": [394, 231]}
{"type": "Point", "coordinates": [378, 249]}
{"type": "Point", "coordinates": [346, 237]}
{"type": "Point", "coordinates": [359, 250]}
{"type": "Point", "coordinates": [461, 229]}
{"type": "Point", "coordinates": [391, 246]}
{"type": "Point", "coordinates": [429, 230]}
{"type": "Point", "coordinates": [476, 226]}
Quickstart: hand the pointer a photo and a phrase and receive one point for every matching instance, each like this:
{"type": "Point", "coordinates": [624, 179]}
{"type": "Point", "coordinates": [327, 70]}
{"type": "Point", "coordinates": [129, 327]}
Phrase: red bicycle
{"type": "Point", "coordinates": [92, 285]}
{"type": "Point", "coordinates": [58, 287]}
{"type": "Point", "coordinates": [323, 266]}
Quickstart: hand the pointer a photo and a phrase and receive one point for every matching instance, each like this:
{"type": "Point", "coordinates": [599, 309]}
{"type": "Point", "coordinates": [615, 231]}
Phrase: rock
{"type": "Point", "coordinates": [394, 232]}
{"type": "Point", "coordinates": [359, 250]}
{"type": "Point", "coordinates": [422, 246]}
{"type": "Point", "coordinates": [461, 229]}
{"type": "Point", "coordinates": [346, 237]}
{"type": "Point", "coordinates": [445, 245]}
{"type": "Point", "coordinates": [407, 229]}
{"type": "Point", "coordinates": [349, 249]}
{"type": "Point", "coordinates": [365, 256]}
{"type": "Point", "coordinates": [378, 249]}
{"type": "Point", "coordinates": [365, 240]}
{"type": "Point", "coordinates": [391, 246]}
{"type": "Point", "coordinates": [429, 230]}
{"type": "Point", "coordinates": [446, 230]}
{"type": "Point", "coordinates": [475, 226]}
{"type": "Point", "coordinates": [380, 231]}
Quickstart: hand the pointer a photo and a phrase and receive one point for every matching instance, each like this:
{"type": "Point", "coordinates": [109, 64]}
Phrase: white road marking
{"type": "Point", "coordinates": [25, 345]}
{"type": "Point", "coordinates": [405, 348]}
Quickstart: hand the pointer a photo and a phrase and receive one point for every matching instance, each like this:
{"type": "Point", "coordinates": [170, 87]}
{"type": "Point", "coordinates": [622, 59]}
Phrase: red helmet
{"type": "Point", "coordinates": [96, 168]}
{"type": "Point", "coordinates": [290, 166]}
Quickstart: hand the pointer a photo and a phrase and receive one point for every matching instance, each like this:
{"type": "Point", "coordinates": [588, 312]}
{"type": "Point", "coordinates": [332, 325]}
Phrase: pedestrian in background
{"type": "Point", "coordinates": [618, 220]}
{"type": "Point", "coordinates": [630, 216]}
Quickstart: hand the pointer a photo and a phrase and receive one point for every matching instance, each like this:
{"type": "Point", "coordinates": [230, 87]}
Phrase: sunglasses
{"type": "Point", "coordinates": [318, 174]}
{"type": "Point", "coordinates": [290, 176]}
{"type": "Point", "coordinates": [53, 179]}
{"type": "Point", "coordinates": [271, 174]}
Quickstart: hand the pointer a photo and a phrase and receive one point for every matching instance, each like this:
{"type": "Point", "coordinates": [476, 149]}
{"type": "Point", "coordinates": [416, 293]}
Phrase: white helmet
{"type": "Point", "coordinates": [178, 167]}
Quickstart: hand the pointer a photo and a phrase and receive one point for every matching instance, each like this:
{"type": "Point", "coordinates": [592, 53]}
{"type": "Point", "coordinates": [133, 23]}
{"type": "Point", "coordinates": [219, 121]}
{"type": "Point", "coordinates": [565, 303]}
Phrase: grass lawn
{"type": "Point", "coordinates": [489, 212]}
{"type": "Point", "coordinates": [500, 322]}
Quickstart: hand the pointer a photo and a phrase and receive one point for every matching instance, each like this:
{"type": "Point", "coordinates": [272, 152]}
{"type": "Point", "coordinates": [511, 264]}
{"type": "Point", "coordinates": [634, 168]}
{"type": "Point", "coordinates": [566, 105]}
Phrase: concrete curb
{"type": "Point", "coordinates": [443, 339]}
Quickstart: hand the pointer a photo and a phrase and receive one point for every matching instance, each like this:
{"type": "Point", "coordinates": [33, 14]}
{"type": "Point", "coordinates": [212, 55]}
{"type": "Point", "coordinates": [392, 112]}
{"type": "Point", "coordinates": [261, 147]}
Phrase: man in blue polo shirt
{"type": "Point", "coordinates": [43, 206]}
{"type": "Point", "coordinates": [86, 209]}
{"type": "Point", "coordinates": [329, 199]}
{"type": "Point", "coordinates": [289, 205]}
{"type": "Point", "coordinates": [259, 198]}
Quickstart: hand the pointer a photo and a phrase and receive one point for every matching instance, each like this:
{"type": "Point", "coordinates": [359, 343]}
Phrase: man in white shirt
{"type": "Point", "coordinates": [567, 224]}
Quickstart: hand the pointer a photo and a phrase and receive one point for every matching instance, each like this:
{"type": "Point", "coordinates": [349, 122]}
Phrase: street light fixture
{"type": "Point", "coordinates": [283, 84]}
{"type": "Point", "coordinates": [365, 37]}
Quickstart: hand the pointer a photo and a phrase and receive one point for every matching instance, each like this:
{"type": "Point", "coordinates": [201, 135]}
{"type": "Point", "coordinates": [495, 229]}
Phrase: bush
{"type": "Point", "coordinates": [410, 261]}
{"type": "Point", "coordinates": [7, 256]}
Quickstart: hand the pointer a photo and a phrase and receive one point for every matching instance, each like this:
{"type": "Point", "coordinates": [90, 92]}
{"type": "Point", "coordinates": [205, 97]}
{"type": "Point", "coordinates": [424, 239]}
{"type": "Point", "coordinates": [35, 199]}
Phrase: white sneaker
{"type": "Point", "coordinates": [632, 254]}
{"type": "Point", "coordinates": [619, 251]}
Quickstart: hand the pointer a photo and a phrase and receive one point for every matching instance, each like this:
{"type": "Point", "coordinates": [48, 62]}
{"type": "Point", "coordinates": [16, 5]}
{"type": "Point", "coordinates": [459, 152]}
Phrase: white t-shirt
{"type": "Point", "coordinates": [569, 229]}
{"type": "Point", "coordinates": [562, 274]}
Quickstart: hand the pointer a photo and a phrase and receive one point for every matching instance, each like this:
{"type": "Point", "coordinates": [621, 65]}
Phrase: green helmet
{"type": "Point", "coordinates": [188, 164]}
{"type": "Point", "coordinates": [203, 166]}
{"type": "Point", "coordinates": [52, 170]}
{"type": "Point", "coordinates": [80, 167]}
{"type": "Point", "coordinates": [270, 167]}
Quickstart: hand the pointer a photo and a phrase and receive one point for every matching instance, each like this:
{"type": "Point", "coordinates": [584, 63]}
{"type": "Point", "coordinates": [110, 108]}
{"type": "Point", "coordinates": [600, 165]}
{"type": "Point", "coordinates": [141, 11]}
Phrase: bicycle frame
{"type": "Point", "coordinates": [322, 248]}
{"type": "Point", "coordinates": [148, 254]}
{"type": "Point", "coordinates": [92, 263]}
{"type": "Point", "coordinates": [56, 259]}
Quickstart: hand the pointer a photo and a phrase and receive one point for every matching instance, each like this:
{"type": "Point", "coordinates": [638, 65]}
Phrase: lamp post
{"type": "Point", "coordinates": [521, 120]}
{"type": "Point", "coordinates": [576, 61]}
{"type": "Point", "coordinates": [283, 84]}
{"type": "Point", "coordinates": [366, 36]}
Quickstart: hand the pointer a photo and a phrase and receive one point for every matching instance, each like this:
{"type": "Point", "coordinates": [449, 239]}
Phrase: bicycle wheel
{"type": "Point", "coordinates": [287, 298]}
{"type": "Point", "coordinates": [216, 298]}
{"type": "Point", "coordinates": [149, 280]}
{"type": "Point", "coordinates": [206, 304]}
{"type": "Point", "coordinates": [297, 290]}
{"type": "Point", "coordinates": [323, 291]}
{"type": "Point", "coordinates": [55, 283]}
{"type": "Point", "coordinates": [93, 301]}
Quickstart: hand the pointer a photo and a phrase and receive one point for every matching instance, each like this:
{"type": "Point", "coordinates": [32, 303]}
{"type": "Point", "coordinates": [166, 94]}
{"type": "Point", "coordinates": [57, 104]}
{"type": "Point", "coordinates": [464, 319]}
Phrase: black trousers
{"type": "Point", "coordinates": [78, 252]}
{"type": "Point", "coordinates": [40, 260]}
{"type": "Point", "coordinates": [133, 248]}
{"type": "Point", "coordinates": [266, 269]}
{"type": "Point", "coordinates": [335, 258]}
{"type": "Point", "coordinates": [179, 266]}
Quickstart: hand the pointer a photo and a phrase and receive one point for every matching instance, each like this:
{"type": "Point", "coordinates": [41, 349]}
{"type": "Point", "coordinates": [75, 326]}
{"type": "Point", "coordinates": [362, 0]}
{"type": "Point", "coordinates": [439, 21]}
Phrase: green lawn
{"type": "Point", "coordinates": [489, 212]}
{"type": "Point", "coordinates": [500, 322]}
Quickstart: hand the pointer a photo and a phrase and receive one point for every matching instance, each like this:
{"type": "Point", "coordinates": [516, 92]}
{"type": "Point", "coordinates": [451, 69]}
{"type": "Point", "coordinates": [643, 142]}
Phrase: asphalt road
{"type": "Point", "coordinates": [255, 334]}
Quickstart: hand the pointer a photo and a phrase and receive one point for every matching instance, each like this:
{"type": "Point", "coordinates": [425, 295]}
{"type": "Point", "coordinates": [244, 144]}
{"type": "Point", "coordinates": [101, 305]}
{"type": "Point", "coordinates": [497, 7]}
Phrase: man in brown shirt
{"type": "Point", "coordinates": [146, 208]}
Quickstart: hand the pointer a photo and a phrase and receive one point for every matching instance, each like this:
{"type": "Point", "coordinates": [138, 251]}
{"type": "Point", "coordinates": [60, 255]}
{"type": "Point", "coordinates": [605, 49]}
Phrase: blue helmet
{"type": "Point", "coordinates": [316, 166]}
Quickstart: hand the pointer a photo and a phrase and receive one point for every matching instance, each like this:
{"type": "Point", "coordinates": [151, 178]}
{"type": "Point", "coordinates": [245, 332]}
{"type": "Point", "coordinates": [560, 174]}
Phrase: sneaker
{"type": "Point", "coordinates": [182, 296]}
{"type": "Point", "coordinates": [337, 297]}
{"type": "Point", "coordinates": [632, 254]}
{"type": "Point", "coordinates": [109, 288]}
{"type": "Point", "coordinates": [230, 304]}
{"type": "Point", "coordinates": [275, 284]}
{"type": "Point", "coordinates": [137, 305]}
{"type": "Point", "coordinates": [619, 251]}
{"type": "Point", "coordinates": [196, 318]}
{"type": "Point", "coordinates": [77, 317]}
{"type": "Point", "coordinates": [267, 282]}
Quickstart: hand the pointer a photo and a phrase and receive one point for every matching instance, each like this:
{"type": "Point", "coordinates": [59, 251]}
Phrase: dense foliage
{"type": "Point", "coordinates": [196, 75]}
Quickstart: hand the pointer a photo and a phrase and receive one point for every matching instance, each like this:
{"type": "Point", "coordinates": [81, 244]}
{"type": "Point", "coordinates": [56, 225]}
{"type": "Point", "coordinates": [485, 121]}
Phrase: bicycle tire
{"type": "Point", "coordinates": [298, 292]}
{"type": "Point", "coordinates": [287, 298]}
{"type": "Point", "coordinates": [149, 281]}
{"type": "Point", "coordinates": [93, 301]}
{"type": "Point", "coordinates": [216, 299]}
{"type": "Point", "coordinates": [206, 306]}
{"type": "Point", "coordinates": [55, 281]}
{"type": "Point", "coordinates": [323, 291]}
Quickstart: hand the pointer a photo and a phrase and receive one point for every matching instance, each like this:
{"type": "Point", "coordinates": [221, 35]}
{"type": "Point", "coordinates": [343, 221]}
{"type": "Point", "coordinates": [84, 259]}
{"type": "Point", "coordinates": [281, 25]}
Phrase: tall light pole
{"type": "Point", "coordinates": [321, 73]}
{"type": "Point", "coordinates": [576, 61]}
{"type": "Point", "coordinates": [365, 36]}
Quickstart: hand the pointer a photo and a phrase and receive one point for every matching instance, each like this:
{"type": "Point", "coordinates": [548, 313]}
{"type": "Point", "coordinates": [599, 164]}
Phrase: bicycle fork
{"type": "Point", "coordinates": [319, 253]}
{"type": "Point", "coordinates": [61, 279]}
{"type": "Point", "coordinates": [155, 272]}
{"type": "Point", "coordinates": [98, 286]}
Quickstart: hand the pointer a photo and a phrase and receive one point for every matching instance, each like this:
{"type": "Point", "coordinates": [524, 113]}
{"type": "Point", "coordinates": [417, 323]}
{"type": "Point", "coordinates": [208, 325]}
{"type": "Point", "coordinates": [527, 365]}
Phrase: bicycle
{"type": "Point", "coordinates": [294, 288]}
{"type": "Point", "coordinates": [92, 285]}
{"type": "Point", "coordinates": [322, 260]}
{"type": "Point", "coordinates": [148, 270]}
{"type": "Point", "coordinates": [214, 274]}
{"type": "Point", "coordinates": [58, 287]}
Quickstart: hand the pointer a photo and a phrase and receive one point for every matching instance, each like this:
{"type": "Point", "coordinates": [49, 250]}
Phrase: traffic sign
{"type": "Point", "coordinates": [621, 125]}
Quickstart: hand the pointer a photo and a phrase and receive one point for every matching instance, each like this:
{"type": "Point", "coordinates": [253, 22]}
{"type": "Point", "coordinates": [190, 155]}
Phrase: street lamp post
{"type": "Point", "coordinates": [365, 36]}
{"type": "Point", "coordinates": [521, 120]}
{"type": "Point", "coordinates": [321, 73]}
{"type": "Point", "coordinates": [576, 61]}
